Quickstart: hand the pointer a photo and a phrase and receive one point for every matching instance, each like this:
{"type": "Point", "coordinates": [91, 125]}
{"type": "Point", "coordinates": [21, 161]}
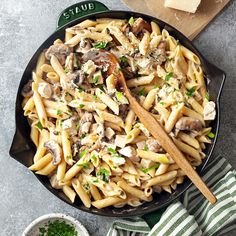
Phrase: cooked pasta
{"type": "Point", "coordinates": [89, 143]}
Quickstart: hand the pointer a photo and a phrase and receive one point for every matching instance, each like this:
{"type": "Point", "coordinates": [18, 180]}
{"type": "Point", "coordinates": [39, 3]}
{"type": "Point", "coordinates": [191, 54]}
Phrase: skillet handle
{"type": "Point", "coordinates": [79, 10]}
{"type": "Point", "coordinates": [20, 150]}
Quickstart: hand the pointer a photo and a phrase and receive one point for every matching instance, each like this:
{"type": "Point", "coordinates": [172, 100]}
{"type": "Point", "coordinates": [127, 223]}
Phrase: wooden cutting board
{"type": "Point", "coordinates": [189, 24]}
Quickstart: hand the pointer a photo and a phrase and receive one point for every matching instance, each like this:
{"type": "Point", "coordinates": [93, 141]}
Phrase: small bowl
{"type": "Point", "coordinates": [42, 221]}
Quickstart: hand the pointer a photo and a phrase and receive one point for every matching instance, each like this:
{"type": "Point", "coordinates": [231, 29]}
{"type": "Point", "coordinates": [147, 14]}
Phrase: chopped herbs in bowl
{"type": "Point", "coordinates": [55, 225]}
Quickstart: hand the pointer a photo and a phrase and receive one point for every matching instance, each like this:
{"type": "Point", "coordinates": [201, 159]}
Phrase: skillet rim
{"type": "Point", "coordinates": [204, 63]}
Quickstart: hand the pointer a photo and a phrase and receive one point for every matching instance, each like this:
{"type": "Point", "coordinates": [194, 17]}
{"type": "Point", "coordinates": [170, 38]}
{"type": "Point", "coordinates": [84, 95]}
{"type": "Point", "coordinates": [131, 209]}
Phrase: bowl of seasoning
{"type": "Point", "coordinates": [55, 224]}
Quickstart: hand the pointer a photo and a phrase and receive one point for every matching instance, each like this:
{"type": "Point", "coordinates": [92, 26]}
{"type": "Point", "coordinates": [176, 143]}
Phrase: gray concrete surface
{"type": "Point", "coordinates": [24, 25]}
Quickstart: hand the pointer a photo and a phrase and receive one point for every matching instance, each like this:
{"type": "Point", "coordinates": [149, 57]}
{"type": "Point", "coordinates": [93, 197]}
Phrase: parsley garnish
{"type": "Point", "coordinates": [123, 59]}
{"type": "Point", "coordinates": [59, 112]}
{"type": "Point", "coordinates": [142, 92]}
{"type": "Point", "coordinates": [67, 94]}
{"type": "Point", "coordinates": [68, 157]}
{"type": "Point", "coordinates": [93, 157]}
{"type": "Point", "coordinates": [190, 92]}
{"type": "Point", "coordinates": [66, 70]}
{"type": "Point", "coordinates": [96, 79]}
{"type": "Point", "coordinates": [83, 136]}
{"type": "Point", "coordinates": [114, 153]}
{"type": "Point", "coordinates": [207, 96]}
{"type": "Point", "coordinates": [102, 87]}
{"type": "Point", "coordinates": [168, 76]}
{"type": "Point", "coordinates": [81, 105]}
{"type": "Point", "coordinates": [131, 20]}
{"type": "Point", "coordinates": [145, 147]}
{"type": "Point", "coordinates": [211, 135]}
{"type": "Point", "coordinates": [95, 180]}
{"type": "Point", "coordinates": [121, 98]}
{"type": "Point", "coordinates": [84, 165]}
{"type": "Point", "coordinates": [100, 45]}
{"type": "Point", "coordinates": [104, 174]}
{"type": "Point", "coordinates": [95, 97]}
{"type": "Point", "coordinates": [39, 125]}
{"type": "Point", "coordinates": [162, 103]}
{"type": "Point", "coordinates": [84, 152]}
{"type": "Point", "coordinates": [146, 170]}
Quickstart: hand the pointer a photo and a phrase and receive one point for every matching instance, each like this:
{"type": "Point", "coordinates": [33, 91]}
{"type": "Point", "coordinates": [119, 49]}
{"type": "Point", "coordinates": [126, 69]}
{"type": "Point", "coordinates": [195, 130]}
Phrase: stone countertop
{"type": "Point", "coordinates": [24, 25]}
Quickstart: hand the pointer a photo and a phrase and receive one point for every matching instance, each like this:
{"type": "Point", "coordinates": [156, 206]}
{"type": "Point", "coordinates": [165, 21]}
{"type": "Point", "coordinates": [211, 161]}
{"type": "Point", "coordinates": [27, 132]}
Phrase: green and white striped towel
{"type": "Point", "coordinates": [194, 216]}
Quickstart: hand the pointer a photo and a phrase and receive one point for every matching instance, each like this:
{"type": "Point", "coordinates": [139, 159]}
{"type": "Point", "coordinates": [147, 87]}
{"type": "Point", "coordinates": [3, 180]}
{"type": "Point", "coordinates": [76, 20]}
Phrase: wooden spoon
{"type": "Point", "coordinates": [103, 57]}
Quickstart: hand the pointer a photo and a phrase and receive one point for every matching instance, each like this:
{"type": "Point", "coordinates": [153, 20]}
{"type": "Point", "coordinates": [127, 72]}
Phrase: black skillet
{"type": "Point", "coordinates": [23, 149]}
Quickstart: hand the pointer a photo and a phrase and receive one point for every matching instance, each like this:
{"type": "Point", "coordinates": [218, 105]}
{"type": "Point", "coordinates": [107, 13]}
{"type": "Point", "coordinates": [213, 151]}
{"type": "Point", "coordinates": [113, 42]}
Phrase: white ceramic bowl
{"type": "Point", "coordinates": [33, 228]}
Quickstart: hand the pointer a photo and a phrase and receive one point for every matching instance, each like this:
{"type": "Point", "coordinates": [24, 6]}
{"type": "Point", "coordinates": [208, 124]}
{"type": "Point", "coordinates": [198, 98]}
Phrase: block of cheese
{"type": "Point", "coordinates": [183, 5]}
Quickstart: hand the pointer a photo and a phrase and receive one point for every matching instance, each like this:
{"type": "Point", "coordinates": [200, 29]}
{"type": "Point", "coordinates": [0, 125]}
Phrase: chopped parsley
{"type": "Point", "coordinates": [104, 174]}
{"type": "Point", "coordinates": [81, 105]}
{"type": "Point", "coordinates": [67, 94]}
{"type": "Point", "coordinates": [95, 180]}
{"type": "Point", "coordinates": [83, 136]}
{"type": "Point", "coordinates": [207, 96]}
{"type": "Point", "coordinates": [79, 89]}
{"type": "Point", "coordinates": [142, 92]}
{"type": "Point", "coordinates": [86, 186]}
{"type": "Point", "coordinates": [39, 125]}
{"type": "Point", "coordinates": [84, 152]}
{"type": "Point", "coordinates": [96, 79]}
{"type": "Point", "coordinates": [168, 76]}
{"type": "Point", "coordinates": [100, 45]}
{"type": "Point", "coordinates": [131, 20]}
{"type": "Point", "coordinates": [162, 103]}
{"type": "Point", "coordinates": [59, 112]}
{"type": "Point", "coordinates": [84, 165]}
{"type": "Point", "coordinates": [58, 227]}
{"type": "Point", "coordinates": [77, 61]}
{"type": "Point", "coordinates": [66, 70]}
{"type": "Point", "coordinates": [121, 98]}
{"type": "Point", "coordinates": [95, 97]}
{"type": "Point", "coordinates": [77, 126]}
{"type": "Point", "coordinates": [168, 58]}
{"type": "Point", "coordinates": [211, 135]}
{"type": "Point", "coordinates": [190, 92]}
{"type": "Point", "coordinates": [68, 157]}
{"type": "Point", "coordinates": [93, 157]}
{"type": "Point", "coordinates": [123, 59]}
{"type": "Point", "coordinates": [145, 147]}
{"type": "Point", "coordinates": [102, 87]}
{"type": "Point", "coordinates": [113, 152]}
{"type": "Point", "coordinates": [146, 170]}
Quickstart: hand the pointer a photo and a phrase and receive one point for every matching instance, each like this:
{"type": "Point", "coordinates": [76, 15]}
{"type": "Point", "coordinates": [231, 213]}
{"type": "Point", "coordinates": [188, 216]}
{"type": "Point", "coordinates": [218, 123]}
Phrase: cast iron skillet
{"type": "Point", "coordinates": [23, 149]}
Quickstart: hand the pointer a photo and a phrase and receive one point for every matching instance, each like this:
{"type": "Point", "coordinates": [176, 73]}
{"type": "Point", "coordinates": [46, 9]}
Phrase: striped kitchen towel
{"type": "Point", "coordinates": [194, 215]}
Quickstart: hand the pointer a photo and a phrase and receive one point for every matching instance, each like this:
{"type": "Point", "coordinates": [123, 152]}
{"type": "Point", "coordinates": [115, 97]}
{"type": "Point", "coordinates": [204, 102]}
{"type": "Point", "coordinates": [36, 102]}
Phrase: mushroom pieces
{"type": "Point", "coordinates": [153, 145]}
{"type": "Point", "coordinates": [54, 148]}
{"type": "Point", "coordinates": [60, 51]}
{"type": "Point", "coordinates": [139, 25]}
{"type": "Point", "coordinates": [189, 124]}
{"type": "Point", "coordinates": [27, 89]}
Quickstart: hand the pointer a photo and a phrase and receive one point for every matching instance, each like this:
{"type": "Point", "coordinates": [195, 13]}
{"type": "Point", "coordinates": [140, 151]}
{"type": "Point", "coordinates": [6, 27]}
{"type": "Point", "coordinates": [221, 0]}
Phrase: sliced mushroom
{"type": "Point", "coordinates": [54, 182]}
{"type": "Point", "coordinates": [84, 46]}
{"type": "Point", "coordinates": [76, 78]}
{"type": "Point", "coordinates": [27, 89]}
{"type": "Point", "coordinates": [209, 111]}
{"type": "Point", "coordinates": [139, 25]}
{"type": "Point", "coordinates": [45, 90]}
{"type": "Point", "coordinates": [58, 50]}
{"type": "Point", "coordinates": [85, 127]}
{"type": "Point", "coordinates": [86, 117]}
{"type": "Point", "coordinates": [159, 53]}
{"type": "Point", "coordinates": [153, 145]}
{"type": "Point", "coordinates": [54, 148]}
{"type": "Point", "coordinates": [189, 124]}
